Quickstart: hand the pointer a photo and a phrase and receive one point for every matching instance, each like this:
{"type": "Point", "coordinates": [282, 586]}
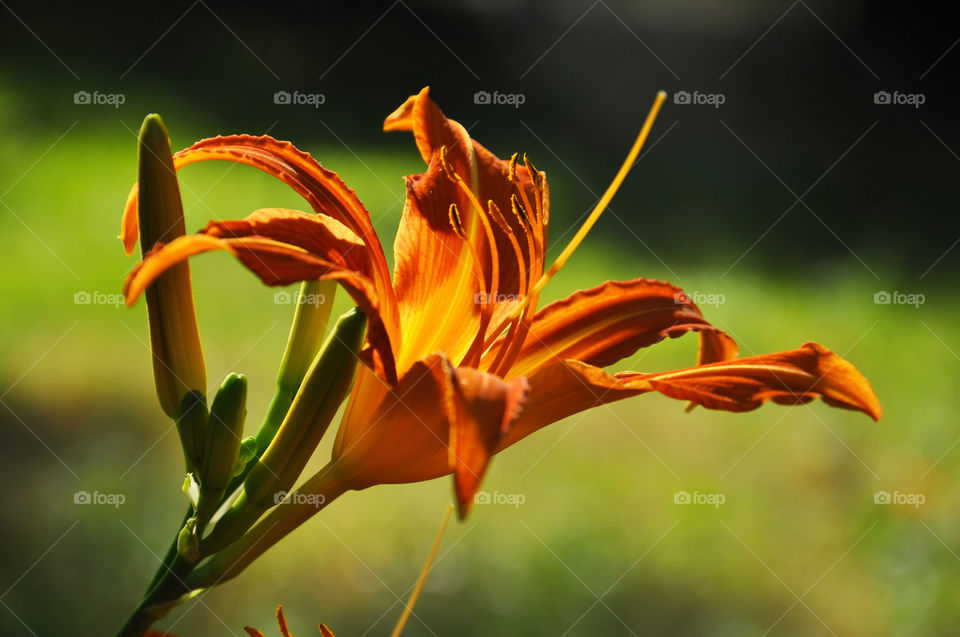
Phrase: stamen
{"type": "Point", "coordinates": [456, 222]}
{"type": "Point", "coordinates": [532, 253]}
{"type": "Point", "coordinates": [512, 176]}
{"type": "Point", "coordinates": [605, 199]}
{"type": "Point", "coordinates": [422, 579]}
{"type": "Point", "coordinates": [519, 211]}
{"type": "Point", "coordinates": [507, 230]}
{"type": "Point", "coordinates": [536, 229]}
{"type": "Point", "coordinates": [476, 349]}
{"type": "Point", "coordinates": [479, 345]}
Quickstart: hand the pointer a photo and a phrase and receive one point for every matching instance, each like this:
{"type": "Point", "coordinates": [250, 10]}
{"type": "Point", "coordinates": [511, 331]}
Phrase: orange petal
{"type": "Point", "coordinates": [787, 378]}
{"type": "Point", "coordinates": [563, 388]}
{"type": "Point", "coordinates": [507, 247]}
{"type": "Point", "coordinates": [437, 279]}
{"type": "Point", "coordinates": [395, 435]}
{"type": "Point", "coordinates": [318, 234]}
{"type": "Point", "coordinates": [430, 128]}
{"type": "Point", "coordinates": [438, 419]}
{"type": "Point", "coordinates": [323, 189]}
{"type": "Point", "coordinates": [607, 323]}
{"type": "Point", "coordinates": [130, 222]}
{"type": "Point", "coordinates": [481, 401]}
{"type": "Point", "coordinates": [326, 250]}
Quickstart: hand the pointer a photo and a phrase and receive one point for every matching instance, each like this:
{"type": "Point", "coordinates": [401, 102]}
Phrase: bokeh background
{"type": "Point", "coordinates": [787, 209]}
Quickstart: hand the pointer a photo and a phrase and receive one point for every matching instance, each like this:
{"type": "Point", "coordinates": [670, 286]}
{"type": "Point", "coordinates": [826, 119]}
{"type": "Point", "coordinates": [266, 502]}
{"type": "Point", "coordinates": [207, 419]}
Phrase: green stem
{"type": "Point", "coordinates": [171, 586]}
{"type": "Point", "coordinates": [281, 520]}
{"type": "Point", "coordinates": [171, 555]}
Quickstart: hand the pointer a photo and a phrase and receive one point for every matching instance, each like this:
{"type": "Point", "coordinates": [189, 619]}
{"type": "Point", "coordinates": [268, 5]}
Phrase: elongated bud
{"type": "Point", "coordinates": [324, 388]}
{"type": "Point", "coordinates": [178, 365]}
{"type": "Point", "coordinates": [192, 426]}
{"type": "Point", "coordinates": [313, 305]}
{"type": "Point", "coordinates": [222, 446]}
{"type": "Point", "coordinates": [306, 334]}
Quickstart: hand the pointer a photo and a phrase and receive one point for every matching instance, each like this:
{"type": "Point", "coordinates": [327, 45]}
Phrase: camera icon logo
{"type": "Point", "coordinates": [281, 97]}
{"type": "Point", "coordinates": [681, 298]}
{"type": "Point", "coordinates": [282, 298]}
{"type": "Point", "coordinates": [681, 97]}
{"type": "Point", "coordinates": [82, 497]}
{"type": "Point", "coordinates": [882, 97]}
{"type": "Point", "coordinates": [882, 298]}
{"type": "Point", "coordinates": [81, 97]}
{"type": "Point", "coordinates": [279, 497]}
{"type": "Point", "coordinates": [82, 298]}
{"type": "Point", "coordinates": [481, 497]}
{"type": "Point", "coordinates": [882, 497]}
{"type": "Point", "coordinates": [481, 97]}
{"type": "Point", "coordinates": [681, 497]}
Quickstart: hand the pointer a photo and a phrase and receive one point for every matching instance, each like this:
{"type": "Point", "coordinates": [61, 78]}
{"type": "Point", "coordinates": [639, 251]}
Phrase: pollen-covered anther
{"type": "Point", "coordinates": [455, 221]}
{"type": "Point", "coordinates": [518, 210]}
{"type": "Point", "coordinates": [512, 175]}
{"type": "Point", "coordinates": [447, 169]}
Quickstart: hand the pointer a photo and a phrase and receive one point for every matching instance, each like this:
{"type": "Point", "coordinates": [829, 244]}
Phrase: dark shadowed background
{"type": "Point", "coordinates": [802, 172]}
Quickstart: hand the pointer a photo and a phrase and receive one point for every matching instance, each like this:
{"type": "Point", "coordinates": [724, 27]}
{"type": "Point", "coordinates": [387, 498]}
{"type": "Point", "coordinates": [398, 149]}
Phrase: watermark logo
{"type": "Point", "coordinates": [899, 298]}
{"type": "Point", "coordinates": [499, 99]}
{"type": "Point", "coordinates": [712, 499]}
{"type": "Point", "coordinates": [488, 298]}
{"type": "Point", "coordinates": [899, 99]}
{"type": "Point", "coordinates": [296, 98]}
{"type": "Point", "coordinates": [112, 499]}
{"type": "Point", "coordinates": [699, 298]}
{"type": "Point", "coordinates": [512, 499]}
{"type": "Point", "coordinates": [315, 500]}
{"type": "Point", "coordinates": [98, 298]}
{"type": "Point", "coordinates": [298, 298]}
{"type": "Point", "coordinates": [699, 99]}
{"type": "Point", "coordinates": [99, 99]}
{"type": "Point", "coordinates": [910, 499]}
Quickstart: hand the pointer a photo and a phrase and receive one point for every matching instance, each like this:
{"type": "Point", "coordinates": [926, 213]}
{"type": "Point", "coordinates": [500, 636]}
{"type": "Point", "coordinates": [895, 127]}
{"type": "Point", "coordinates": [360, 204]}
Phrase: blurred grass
{"type": "Point", "coordinates": [598, 519]}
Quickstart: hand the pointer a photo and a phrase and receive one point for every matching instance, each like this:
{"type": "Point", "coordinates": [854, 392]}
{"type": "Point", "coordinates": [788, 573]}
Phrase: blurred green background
{"type": "Point", "coordinates": [598, 547]}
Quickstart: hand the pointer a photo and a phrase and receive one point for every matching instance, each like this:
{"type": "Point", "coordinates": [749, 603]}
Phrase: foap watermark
{"type": "Point", "coordinates": [110, 499]}
{"type": "Point", "coordinates": [910, 499]}
{"type": "Point", "coordinates": [512, 499]}
{"type": "Point", "coordinates": [315, 500]}
{"type": "Point", "coordinates": [487, 298]}
{"type": "Point", "coordinates": [499, 99]}
{"type": "Point", "coordinates": [899, 298]}
{"type": "Point", "coordinates": [711, 499]}
{"type": "Point", "coordinates": [699, 298]}
{"type": "Point", "coordinates": [298, 298]}
{"type": "Point", "coordinates": [98, 298]}
{"type": "Point", "coordinates": [296, 98]}
{"type": "Point", "coordinates": [897, 98]}
{"type": "Point", "coordinates": [699, 99]}
{"type": "Point", "coordinates": [97, 98]}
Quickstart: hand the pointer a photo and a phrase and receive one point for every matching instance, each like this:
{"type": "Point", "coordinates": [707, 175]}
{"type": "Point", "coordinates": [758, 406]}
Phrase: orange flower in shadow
{"type": "Point", "coordinates": [459, 364]}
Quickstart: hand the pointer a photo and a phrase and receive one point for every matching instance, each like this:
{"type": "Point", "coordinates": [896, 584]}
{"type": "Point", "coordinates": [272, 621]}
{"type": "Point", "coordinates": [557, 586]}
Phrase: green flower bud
{"type": "Point", "coordinates": [324, 388]}
{"type": "Point", "coordinates": [222, 446]}
{"type": "Point", "coordinates": [178, 365]}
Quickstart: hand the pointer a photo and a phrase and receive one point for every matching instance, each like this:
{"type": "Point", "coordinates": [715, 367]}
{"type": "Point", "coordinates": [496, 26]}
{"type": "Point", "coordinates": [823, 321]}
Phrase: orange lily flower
{"type": "Point", "coordinates": [460, 364]}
